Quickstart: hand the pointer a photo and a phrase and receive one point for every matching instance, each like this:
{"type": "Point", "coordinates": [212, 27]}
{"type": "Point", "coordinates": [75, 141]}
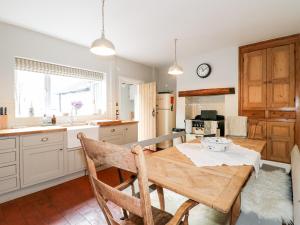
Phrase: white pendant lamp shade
{"type": "Point", "coordinates": [175, 69]}
{"type": "Point", "coordinates": [103, 46]}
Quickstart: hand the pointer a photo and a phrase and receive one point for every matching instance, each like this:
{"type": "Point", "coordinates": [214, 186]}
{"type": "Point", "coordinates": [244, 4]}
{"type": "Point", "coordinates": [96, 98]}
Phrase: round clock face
{"type": "Point", "coordinates": [203, 70]}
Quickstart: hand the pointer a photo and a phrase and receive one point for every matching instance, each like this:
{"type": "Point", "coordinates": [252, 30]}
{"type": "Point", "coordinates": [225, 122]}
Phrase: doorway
{"type": "Point", "coordinates": [137, 101]}
{"type": "Point", "coordinates": [128, 98]}
{"type": "Point", "coordinates": [128, 101]}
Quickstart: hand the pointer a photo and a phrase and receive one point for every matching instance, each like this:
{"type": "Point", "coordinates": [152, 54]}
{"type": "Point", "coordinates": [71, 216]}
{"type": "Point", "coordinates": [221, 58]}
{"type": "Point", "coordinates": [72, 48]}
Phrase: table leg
{"type": "Point", "coordinates": [235, 210]}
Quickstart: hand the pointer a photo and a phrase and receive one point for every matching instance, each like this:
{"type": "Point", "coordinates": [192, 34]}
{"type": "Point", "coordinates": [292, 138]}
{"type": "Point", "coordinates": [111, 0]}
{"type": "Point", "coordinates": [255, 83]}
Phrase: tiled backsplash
{"type": "Point", "coordinates": [194, 105]}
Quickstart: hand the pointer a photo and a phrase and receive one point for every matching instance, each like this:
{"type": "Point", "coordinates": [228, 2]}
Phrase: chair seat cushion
{"type": "Point", "coordinates": [160, 218]}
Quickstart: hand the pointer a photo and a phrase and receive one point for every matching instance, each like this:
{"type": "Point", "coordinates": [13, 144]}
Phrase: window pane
{"type": "Point", "coordinates": [30, 93]}
{"type": "Point", "coordinates": [53, 94]}
{"type": "Point", "coordinates": [74, 95]}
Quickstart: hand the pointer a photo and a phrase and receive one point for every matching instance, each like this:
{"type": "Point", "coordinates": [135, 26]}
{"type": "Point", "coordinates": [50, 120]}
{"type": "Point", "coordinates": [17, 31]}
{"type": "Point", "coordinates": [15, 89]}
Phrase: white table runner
{"type": "Point", "coordinates": [235, 156]}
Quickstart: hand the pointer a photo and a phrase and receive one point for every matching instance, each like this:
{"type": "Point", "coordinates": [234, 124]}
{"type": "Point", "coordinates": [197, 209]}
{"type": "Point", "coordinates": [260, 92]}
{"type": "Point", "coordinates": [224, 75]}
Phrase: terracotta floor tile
{"type": "Point", "coordinates": [70, 203]}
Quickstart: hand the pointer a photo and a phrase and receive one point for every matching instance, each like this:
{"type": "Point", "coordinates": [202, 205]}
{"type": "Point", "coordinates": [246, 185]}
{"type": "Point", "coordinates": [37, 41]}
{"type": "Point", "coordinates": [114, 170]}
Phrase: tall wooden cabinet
{"type": "Point", "coordinates": [268, 74]}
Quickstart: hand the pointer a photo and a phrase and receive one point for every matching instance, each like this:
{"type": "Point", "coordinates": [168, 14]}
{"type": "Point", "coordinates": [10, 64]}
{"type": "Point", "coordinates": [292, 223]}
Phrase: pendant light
{"type": "Point", "coordinates": [175, 69]}
{"type": "Point", "coordinates": [103, 46]}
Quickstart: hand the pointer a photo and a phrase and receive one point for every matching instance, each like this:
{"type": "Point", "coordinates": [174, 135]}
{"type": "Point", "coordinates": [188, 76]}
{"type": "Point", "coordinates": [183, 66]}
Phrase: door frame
{"type": "Point", "coordinates": [126, 80]}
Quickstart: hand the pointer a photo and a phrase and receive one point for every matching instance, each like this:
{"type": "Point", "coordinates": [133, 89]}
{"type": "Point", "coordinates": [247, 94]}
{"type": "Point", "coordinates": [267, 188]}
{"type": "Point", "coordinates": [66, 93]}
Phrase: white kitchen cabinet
{"type": "Point", "coordinates": [75, 160]}
{"type": "Point", "coordinates": [44, 160]}
{"type": "Point", "coordinates": [9, 164]}
{"type": "Point", "coordinates": [131, 133]}
{"type": "Point", "coordinates": [41, 164]}
{"type": "Point", "coordinates": [119, 134]}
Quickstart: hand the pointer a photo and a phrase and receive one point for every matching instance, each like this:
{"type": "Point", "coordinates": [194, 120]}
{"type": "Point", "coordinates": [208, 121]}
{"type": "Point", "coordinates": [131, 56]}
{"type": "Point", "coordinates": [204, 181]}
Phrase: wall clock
{"type": "Point", "coordinates": [203, 70]}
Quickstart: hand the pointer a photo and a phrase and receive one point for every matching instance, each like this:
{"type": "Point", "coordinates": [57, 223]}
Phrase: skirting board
{"type": "Point", "coordinates": [285, 166]}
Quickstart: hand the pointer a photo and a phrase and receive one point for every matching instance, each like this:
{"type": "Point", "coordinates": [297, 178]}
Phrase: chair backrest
{"type": "Point", "coordinates": [124, 158]}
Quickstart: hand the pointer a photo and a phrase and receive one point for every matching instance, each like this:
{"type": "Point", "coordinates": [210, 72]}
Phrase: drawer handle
{"type": "Point", "coordinates": [61, 149]}
{"type": "Point", "coordinates": [113, 130]}
{"type": "Point", "coordinates": [44, 139]}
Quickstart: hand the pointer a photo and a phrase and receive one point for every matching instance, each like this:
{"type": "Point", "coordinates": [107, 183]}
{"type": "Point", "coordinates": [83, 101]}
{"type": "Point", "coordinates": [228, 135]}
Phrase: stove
{"type": "Point", "coordinates": [209, 123]}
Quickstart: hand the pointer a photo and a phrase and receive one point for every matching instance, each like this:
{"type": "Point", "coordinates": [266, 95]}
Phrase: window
{"type": "Point", "coordinates": [40, 93]}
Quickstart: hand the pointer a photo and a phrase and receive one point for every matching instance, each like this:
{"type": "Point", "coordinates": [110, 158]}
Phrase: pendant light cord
{"type": "Point", "coordinates": [175, 50]}
{"type": "Point", "coordinates": [103, 17]}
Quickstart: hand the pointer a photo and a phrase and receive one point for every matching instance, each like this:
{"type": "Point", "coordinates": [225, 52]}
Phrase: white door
{"type": "Point", "coordinates": [146, 111]}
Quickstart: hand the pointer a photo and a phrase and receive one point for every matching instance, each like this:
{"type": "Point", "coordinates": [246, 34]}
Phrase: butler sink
{"type": "Point", "coordinates": [91, 131]}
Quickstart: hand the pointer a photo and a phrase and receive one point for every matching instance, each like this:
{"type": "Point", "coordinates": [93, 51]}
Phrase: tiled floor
{"type": "Point", "coordinates": [70, 203]}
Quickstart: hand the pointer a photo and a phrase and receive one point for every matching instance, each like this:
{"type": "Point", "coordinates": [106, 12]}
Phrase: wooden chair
{"type": "Point", "coordinates": [140, 209]}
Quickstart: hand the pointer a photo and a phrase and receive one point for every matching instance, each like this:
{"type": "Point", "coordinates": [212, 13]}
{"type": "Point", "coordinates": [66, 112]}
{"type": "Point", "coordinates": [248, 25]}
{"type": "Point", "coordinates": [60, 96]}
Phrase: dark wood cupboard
{"type": "Point", "coordinates": [268, 93]}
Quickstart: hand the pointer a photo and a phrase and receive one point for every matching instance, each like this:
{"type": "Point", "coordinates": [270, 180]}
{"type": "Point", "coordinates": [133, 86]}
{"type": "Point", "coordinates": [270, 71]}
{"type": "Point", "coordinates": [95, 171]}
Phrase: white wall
{"type": "Point", "coordinates": [165, 82]}
{"type": "Point", "coordinates": [16, 41]}
{"type": "Point", "coordinates": [224, 64]}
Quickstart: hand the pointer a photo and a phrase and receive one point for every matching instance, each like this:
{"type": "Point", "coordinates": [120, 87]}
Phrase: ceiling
{"type": "Point", "coordinates": [143, 30]}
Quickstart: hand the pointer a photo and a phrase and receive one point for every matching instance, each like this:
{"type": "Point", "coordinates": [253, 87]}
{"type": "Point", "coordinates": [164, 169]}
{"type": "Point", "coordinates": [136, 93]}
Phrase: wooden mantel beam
{"type": "Point", "coordinates": [207, 92]}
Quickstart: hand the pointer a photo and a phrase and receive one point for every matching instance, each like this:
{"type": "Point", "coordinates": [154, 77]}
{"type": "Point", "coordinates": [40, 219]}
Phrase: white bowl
{"type": "Point", "coordinates": [216, 144]}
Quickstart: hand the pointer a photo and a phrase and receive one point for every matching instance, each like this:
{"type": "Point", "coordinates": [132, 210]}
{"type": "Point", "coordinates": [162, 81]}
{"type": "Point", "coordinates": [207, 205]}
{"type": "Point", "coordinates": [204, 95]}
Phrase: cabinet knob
{"type": "Point", "coordinates": [113, 130]}
{"type": "Point", "coordinates": [44, 139]}
{"type": "Point", "coordinates": [126, 128]}
{"type": "Point", "coordinates": [61, 149]}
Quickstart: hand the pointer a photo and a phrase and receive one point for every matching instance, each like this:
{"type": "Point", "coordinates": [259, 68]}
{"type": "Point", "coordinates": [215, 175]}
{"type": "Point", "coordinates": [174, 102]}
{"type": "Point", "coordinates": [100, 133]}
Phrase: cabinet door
{"type": "Point", "coordinates": [280, 141]}
{"type": "Point", "coordinates": [281, 76]}
{"type": "Point", "coordinates": [257, 129]}
{"type": "Point", "coordinates": [254, 80]}
{"type": "Point", "coordinates": [41, 164]}
{"type": "Point", "coordinates": [75, 160]}
{"type": "Point", "coordinates": [131, 133]}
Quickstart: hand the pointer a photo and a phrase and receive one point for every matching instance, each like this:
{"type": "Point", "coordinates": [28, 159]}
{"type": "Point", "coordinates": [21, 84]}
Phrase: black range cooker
{"type": "Point", "coordinates": [209, 115]}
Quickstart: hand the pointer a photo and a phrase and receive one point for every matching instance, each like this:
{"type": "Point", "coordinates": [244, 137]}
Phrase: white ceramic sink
{"type": "Point", "coordinates": [90, 131]}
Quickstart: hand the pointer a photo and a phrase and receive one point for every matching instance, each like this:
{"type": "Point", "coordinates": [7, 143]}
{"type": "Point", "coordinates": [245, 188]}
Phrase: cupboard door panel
{"type": "Point", "coordinates": [41, 164]}
{"type": "Point", "coordinates": [278, 150]}
{"type": "Point", "coordinates": [281, 76]}
{"type": "Point", "coordinates": [280, 140]}
{"type": "Point", "coordinates": [75, 160]}
{"type": "Point", "coordinates": [254, 80]}
{"type": "Point", "coordinates": [257, 129]}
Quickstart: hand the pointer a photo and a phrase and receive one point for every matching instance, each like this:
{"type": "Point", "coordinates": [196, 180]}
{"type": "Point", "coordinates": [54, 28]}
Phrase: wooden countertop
{"type": "Point", "coordinates": [105, 123]}
{"type": "Point", "coordinates": [30, 130]}
{"type": "Point", "coordinates": [47, 129]}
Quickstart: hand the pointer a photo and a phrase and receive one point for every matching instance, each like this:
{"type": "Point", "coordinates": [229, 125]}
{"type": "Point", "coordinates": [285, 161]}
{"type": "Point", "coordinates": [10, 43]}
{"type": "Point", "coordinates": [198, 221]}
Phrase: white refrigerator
{"type": "Point", "coordinates": [166, 116]}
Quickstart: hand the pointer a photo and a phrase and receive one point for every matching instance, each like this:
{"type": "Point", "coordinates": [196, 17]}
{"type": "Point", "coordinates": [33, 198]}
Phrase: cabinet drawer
{"type": "Point", "coordinates": [115, 139]}
{"type": "Point", "coordinates": [7, 143]}
{"type": "Point", "coordinates": [42, 139]}
{"type": "Point", "coordinates": [7, 157]}
{"type": "Point", "coordinates": [282, 115]}
{"type": "Point", "coordinates": [8, 185]}
{"type": "Point", "coordinates": [111, 130]}
{"type": "Point", "coordinates": [8, 171]}
{"type": "Point", "coordinates": [254, 113]}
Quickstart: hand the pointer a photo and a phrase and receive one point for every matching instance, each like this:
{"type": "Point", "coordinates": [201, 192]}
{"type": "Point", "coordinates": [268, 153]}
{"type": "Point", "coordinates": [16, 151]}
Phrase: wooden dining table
{"type": "Point", "coordinates": [218, 187]}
